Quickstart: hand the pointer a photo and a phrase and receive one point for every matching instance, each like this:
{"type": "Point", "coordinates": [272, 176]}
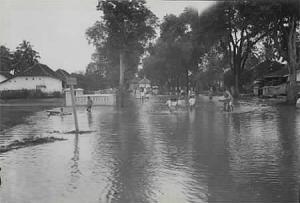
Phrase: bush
{"type": "Point", "coordinates": [23, 94]}
{"type": "Point", "coordinates": [57, 94]}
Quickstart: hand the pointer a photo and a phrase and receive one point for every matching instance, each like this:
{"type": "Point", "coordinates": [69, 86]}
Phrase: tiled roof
{"type": "Point", "coordinates": [62, 74]}
{"type": "Point", "coordinates": [38, 70]}
{"type": "Point", "coordinates": [265, 68]}
{"type": "Point", "coordinates": [279, 73]}
{"type": "Point", "coordinates": [144, 81]}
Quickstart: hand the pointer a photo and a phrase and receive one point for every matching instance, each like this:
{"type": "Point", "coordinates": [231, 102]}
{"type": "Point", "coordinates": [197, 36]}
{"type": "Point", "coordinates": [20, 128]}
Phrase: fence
{"type": "Point", "coordinates": [98, 99]}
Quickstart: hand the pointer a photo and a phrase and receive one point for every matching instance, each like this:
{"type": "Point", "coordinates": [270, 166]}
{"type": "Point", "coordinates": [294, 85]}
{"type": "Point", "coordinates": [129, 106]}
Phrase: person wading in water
{"type": "Point", "coordinates": [228, 106]}
{"type": "Point", "coordinates": [89, 104]}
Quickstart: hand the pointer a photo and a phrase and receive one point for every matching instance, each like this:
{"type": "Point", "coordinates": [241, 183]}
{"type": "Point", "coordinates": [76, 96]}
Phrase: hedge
{"type": "Point", "coordinates": [23, 94]}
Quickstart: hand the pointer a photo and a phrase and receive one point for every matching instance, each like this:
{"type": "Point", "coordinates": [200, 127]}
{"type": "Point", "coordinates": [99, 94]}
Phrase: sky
{"type": "Point", "coordinates": [56, 28]}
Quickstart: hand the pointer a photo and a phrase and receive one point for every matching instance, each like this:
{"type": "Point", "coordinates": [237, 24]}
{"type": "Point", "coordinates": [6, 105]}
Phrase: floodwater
{"type": "Point", "coordinates": [144, 153]}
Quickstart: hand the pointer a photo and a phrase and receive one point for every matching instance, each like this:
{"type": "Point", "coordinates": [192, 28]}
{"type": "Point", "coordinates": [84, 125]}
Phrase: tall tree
{"type": "Point", "coordinates": [243, 25]}
{"type": "Point", "coordinates": [177, 51]}
{"type": "Point", "coordinates": [24, 57]}
{"type": "Point", "coordinates": [126, 28]}
{"type": "Point", "coordinates": [285, 19]}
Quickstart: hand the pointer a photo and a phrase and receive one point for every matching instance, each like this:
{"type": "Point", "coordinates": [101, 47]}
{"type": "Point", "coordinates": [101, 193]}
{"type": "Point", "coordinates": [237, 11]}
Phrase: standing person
{"type": "Point", "coordinates": [89, 104]}
{"type": "Point", "coordinates": [228, 106]}
{"type": "Point", "coordinates": [142, 94]}
{"type": "Point", "coordinates": [61, 111]}
{"type": "Point", "coordinates": [192, 101]}
{"type": "Point", "coordinates": [210, 93]}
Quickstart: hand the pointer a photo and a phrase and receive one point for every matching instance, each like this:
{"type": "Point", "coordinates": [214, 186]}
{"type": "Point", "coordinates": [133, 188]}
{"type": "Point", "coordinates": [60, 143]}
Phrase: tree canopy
{"type": "Point", "coordinates": [230, 35]}
{"type": "Point", "coordinates": [5, 59]}
{"type": "Point", "coordinates": [23, 57]}
{"type": "Point", "coordinates": [125, 27]}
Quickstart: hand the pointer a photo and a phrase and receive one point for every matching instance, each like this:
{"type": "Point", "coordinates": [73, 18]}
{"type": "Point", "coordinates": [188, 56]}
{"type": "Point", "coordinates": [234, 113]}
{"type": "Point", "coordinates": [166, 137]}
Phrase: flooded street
{"type": "Point", "coordinates": [145, 153]}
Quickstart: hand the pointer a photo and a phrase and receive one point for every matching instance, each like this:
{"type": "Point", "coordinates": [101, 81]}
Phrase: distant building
{"type": "Point", "coordinates": [275, 83]}
{"type": "Point", "coordinates": [4, 75]}
{"type": "Point", "coordinates": [36, 77]}
{"type": "Point", "coordinates": [272, 80]}
{"type": "Point", "coordinates": [63, 75]}
{"type": "Point", "coordinates": [145, 84]}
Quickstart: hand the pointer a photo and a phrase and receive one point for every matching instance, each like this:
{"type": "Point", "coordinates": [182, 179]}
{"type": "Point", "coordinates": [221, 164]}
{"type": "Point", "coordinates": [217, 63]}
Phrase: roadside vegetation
{"type": "Point", "coordinates": [195, 50]}
{"type": "Point", "coordinates": [223, 42]}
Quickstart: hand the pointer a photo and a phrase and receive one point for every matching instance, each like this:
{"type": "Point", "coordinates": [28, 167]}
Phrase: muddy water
{"type": "Point", "coordinates": [144, 153]}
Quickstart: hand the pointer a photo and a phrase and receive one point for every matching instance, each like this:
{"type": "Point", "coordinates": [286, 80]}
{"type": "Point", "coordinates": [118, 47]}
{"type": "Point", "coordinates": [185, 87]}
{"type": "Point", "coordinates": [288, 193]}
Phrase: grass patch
{"type": "Point", "coordinates": [27, 142]}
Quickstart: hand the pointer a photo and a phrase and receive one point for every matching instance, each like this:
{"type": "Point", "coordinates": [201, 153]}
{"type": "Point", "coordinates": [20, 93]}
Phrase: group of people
{"type": "Point", "coordinates": [180, 101]}
{"type": "Point", "coordinates": [177, 101]}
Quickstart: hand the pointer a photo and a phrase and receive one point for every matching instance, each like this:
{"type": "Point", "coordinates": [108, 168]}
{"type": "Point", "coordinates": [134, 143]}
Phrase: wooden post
{"type": "Point", "coordinates": [72, 82]}
{"type": "Point", "coordinates": [74, 109]}
{"type": "Point", "coordinates": [121, 82]}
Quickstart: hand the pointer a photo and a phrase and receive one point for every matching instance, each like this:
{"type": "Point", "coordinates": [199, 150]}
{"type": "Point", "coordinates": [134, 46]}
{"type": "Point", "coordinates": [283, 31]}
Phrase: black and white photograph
{"type": "Point", "coordinates": [149, 101]}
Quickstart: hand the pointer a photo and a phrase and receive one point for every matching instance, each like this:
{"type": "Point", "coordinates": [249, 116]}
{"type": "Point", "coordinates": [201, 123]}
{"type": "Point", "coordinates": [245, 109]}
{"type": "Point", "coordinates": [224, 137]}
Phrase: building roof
{"type": "Point", "coordinates": [62, 74]}
{"type": "Point", "coordinates": [6, 74]}
{"type": "Point", "coordinates": [265, 68]}
{"type": "Point", "coordinates": [34, 71]}
{"type": "Point", "coordinates": [283, 72]}
{"type": "Point", "coordinates": [38, 69]}
{"type": "Point", "coordinates": [144, 81]}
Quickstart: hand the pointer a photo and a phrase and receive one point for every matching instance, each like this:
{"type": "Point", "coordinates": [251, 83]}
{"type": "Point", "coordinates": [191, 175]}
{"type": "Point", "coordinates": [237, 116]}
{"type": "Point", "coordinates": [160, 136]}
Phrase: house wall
{"type": "Point", "coordinates": [46, 84]}
{"type": "Point", "coordinates": [275, 90]}
{"type": "Point", "coordinates": [2, 78]}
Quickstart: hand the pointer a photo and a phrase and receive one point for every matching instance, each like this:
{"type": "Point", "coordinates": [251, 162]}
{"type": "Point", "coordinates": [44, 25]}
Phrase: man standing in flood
{"type": "Point", "coordinates": [89, 104]}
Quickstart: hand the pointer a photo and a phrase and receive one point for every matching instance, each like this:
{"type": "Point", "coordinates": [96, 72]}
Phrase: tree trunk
{"type": "Point", "coordinates": [121, 82]}
{"type": "Point", "coordinates": [291, 93]}
{"type": "Point", "coordinates": [187, 82]}
{"type": "Point", "coordinates": [292, 86]}
{"type": "Point", "coordinates": [236, 92]}
{"type": "Point", "coordinates": [236, 74]}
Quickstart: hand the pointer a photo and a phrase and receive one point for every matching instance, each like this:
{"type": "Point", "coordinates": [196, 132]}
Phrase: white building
{"type": "Point", "coordinates": [38, 76]}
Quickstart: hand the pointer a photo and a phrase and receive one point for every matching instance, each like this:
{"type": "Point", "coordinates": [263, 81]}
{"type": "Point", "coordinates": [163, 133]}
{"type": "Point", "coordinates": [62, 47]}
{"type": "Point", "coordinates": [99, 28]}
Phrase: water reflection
{"type": "Point", "coordinates": [90, 119]}
{"type": "Point", "coordinates": [144, 153]}
{"type": "Point", "coordinates": [75, 171]}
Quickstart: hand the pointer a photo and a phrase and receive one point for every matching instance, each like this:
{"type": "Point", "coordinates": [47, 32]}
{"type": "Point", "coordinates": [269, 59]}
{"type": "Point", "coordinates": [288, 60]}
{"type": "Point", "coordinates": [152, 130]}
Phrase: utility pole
{"type": "Point", "coordinates": [121, 82]}
{"type": "Point", "coordinates": [73, 81]}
